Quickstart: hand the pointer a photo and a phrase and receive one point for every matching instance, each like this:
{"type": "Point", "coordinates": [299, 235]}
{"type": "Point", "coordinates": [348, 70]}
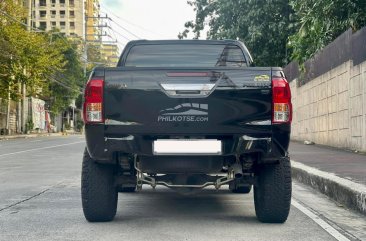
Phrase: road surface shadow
{"type": "Point", "coordinates": [207, 205]}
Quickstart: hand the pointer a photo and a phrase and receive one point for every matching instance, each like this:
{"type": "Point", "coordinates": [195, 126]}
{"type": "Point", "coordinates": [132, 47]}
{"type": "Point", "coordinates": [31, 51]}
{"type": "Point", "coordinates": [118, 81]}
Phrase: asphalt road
{"type": "Point", "coordinates": [40, 200]}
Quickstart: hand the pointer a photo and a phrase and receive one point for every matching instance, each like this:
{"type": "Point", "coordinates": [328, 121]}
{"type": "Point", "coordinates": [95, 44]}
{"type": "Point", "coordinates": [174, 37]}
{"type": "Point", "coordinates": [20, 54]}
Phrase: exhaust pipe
{"type": "Point", "coordinates": [238, 170]}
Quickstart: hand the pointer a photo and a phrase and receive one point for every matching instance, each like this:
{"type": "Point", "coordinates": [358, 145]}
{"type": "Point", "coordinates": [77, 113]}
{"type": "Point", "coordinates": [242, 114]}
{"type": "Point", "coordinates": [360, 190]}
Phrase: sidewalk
{"type": "Point", "coordinates": [34, 135]}
{"type": "Point", "coordinates": [339, 174]}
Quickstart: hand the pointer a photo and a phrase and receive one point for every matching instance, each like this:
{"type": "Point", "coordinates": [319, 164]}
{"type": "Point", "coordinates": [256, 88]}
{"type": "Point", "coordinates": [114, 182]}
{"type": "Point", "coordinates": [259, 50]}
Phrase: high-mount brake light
{"type": "Point", "coordinates": [281, 103]}
{"type": "Point", "coordinates": [93, 102]}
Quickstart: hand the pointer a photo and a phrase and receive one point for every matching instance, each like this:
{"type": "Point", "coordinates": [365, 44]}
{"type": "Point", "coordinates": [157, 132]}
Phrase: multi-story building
{"type": "Point", "coordinates": [110, 54]}
{"type": "Point", "coordinates": [65, 15]}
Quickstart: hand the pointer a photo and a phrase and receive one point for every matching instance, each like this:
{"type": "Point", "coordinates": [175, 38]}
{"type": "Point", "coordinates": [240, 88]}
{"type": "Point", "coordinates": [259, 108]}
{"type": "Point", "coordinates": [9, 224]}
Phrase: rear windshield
{"type": "Point", "coordinates": [186, 55]}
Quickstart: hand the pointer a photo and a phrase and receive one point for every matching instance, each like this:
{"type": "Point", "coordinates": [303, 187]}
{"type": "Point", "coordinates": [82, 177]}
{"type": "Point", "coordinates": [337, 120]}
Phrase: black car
{"type": "Point", "coordinates": [187, 114]}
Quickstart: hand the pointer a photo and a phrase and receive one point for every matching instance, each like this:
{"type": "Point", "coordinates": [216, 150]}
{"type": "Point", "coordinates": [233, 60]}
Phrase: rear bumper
{"type": "Point", "coordinates": [103, 148]}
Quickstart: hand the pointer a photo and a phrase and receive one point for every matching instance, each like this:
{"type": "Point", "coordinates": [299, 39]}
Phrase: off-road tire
{"type": "Point", "coordinates": [272, 194]}
{"type": "Point", "coordinates": [98, 193]}
{"type": "Point", "coordinates": [242, 189]}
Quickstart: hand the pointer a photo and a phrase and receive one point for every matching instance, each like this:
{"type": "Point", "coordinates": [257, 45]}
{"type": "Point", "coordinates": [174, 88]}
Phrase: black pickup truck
{"type": "Point", "coordinates": [187, 114]}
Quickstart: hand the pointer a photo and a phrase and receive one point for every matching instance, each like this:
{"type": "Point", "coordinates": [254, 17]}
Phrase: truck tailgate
{"type": "Point", "coordinates": [187, 101]}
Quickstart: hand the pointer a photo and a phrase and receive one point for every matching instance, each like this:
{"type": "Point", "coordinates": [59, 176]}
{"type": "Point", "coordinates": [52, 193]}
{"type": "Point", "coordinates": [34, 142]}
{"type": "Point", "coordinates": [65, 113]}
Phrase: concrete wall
{"type": "Point", "coordinates": [331, 109]}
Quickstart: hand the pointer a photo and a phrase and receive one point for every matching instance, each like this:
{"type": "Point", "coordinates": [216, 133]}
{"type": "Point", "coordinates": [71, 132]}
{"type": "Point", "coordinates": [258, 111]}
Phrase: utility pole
{"type": "Point", "coordinates": [85, 36]}
{"type": "Point", "coordinates": [24, 105]}
{"type": "Point", "coordinates": [86, 41]}
{"type": "Point", "coordinates": [8, 107]}
{"type": "Point", "coordinates": [23, 87]}
{"type": "Point", "coordinates": [8, 113]}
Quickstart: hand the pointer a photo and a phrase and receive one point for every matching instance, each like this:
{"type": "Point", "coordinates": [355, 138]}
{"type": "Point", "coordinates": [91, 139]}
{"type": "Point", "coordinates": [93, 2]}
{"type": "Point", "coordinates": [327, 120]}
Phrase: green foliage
{"type": "Point", "coordinates": [67, 126]}
{"type": "Point", "coordinates": [277, 31]}
{"type": "Point", "coordinates": [47, 63]}
{"type": "Point", "coordinates": [29, 125]}
{"type": "Point", "coordinates": [264, 26]}
{"type": "Point", "coordinates": [320, 22]}
{"type": "Point", "coordinates": [79, 125]}
{"type": "Point", "coordinates": [94, 57]}
{"type": "Point", "coordinates": [71, 75]}
{"type": "Point", "coordinates": [26, 57]}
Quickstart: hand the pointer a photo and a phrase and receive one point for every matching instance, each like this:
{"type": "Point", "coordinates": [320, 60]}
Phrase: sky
{"type": "Point", "coordinates": [146, 19]}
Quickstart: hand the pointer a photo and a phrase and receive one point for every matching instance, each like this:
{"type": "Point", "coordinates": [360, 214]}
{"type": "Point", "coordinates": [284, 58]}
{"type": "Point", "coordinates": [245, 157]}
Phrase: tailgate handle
{"type": "Point", "coordinates": [188, 90]}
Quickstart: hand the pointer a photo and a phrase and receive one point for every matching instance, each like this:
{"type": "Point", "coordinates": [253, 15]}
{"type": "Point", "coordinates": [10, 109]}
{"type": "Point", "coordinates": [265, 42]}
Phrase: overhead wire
{"type": "Point", "coordinates": [128, 22]}
{"type": "Point", "coordinates": [110, 28]}
{"type": "Point", "coordinates": [125, 29]}
{"type": "Point", "coordinates": [38, 30]}
{"type": "Point", "coordinates": [50, 77]}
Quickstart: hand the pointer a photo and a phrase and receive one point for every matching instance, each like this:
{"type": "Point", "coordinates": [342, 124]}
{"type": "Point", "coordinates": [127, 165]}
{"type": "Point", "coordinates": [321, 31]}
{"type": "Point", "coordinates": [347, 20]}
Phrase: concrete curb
{"type": "Point", "coordinates": [343, 191]}
{"type": "Point", "coordinates": [35, 135]}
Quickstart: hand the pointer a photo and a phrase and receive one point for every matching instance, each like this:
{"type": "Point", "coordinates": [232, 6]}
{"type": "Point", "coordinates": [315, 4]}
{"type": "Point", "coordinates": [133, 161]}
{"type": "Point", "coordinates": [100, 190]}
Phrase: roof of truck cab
{"type": "Point", "coordinates": [185, 41]}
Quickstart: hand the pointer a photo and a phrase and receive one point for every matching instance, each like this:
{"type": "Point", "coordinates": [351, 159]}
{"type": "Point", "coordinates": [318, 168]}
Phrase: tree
{"type": "Point", "coordinates": [320, 22]}
{"type": "Point", "coordinates": [95, 56]}
{"type": "Point", "coordinates": [26, 57]}
{"type": "Point", "coordinates": [66, 84]}
{"type": "Point", "coordinates": [48, 63]}
{"type": "Point", "coordinates": [264, 26]}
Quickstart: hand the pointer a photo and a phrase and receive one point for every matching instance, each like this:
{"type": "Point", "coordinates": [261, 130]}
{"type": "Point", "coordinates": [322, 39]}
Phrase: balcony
{"type": "Point", "coordinates": [62, 15]}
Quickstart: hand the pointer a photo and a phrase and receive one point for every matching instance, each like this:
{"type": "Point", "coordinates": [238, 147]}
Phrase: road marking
{"type": "Point", "coordinates": [41, 148]}
{"type": "Point", "coordinates": [324, 225]}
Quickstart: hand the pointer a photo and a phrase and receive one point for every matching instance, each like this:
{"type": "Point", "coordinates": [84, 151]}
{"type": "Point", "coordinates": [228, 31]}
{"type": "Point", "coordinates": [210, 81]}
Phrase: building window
{"type": "Point", "coordinates": [53, 24]}
{"type": "Point", "coordinates": [62, 2]}
{"type": "Point", "coordinates": [42, 25]}
{"type": "Point", "coordinates": [53, 14]}
{"type": "Point", "coordinates": [42, 3]}
{"type": "Point", "coordinates": [72, 14]}
{"type": "Point", "coordinates": [62, 14]}
{"type": "Point", "coordinates": [42, 14]}
{"type": "Point", "coordinates": [72, 34]}
{"type": "Point", "coordinates": [72, 25]}
{"type": "Point", "coordinates": [62, 25]}
{"type": "Point", "coordinates": [53, 3]}
{"type": "Point", "coordinates": [71, 3]}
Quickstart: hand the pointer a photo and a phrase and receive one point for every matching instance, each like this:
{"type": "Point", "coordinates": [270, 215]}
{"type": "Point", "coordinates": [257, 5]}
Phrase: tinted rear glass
{"type": "Point", "coordinates": [185, 55]}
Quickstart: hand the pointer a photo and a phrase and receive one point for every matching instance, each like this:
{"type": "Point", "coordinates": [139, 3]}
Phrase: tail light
{"type": "Point", "coordinates": [281, 105]}
{"type": "Point", "coordinates": [93, 101]}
